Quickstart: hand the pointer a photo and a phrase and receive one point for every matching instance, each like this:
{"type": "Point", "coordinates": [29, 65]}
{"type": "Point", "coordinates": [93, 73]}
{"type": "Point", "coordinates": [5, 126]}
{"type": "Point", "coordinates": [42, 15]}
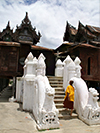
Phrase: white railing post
{"type": "Point", "coordinates": [47, 116]}
{"type": "Point", "coordinates": [77, 62]}
{"type": "Point", "coordinates": [38, 95]}
{"type": "Point", "coordinates": [59, 68]}
{"type": "Point", "coordinates": [71, 70]}
{"type": "Point", "coordinates": [66, 72]}
{"type": "Point", "coordinates": [28, 84]}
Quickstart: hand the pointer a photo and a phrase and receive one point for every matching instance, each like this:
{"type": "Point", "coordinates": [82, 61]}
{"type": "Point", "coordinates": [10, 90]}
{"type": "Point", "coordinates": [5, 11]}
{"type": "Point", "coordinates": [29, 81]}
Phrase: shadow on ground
{"type": "Point", "coordinates": [6, 94]}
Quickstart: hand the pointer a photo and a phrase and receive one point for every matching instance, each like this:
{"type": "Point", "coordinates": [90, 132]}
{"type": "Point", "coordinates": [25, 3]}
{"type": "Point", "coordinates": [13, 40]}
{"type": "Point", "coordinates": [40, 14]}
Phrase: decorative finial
{"type": "Point", "coordinates": [26, 13]}
{"type": "Point", "coordinates": [41, 63]}
{"type": "Point", "coordinates": [26, 19]}
{"type": "Point", "coordinates": [30, 56]}
{"type": "Point", "coordinates": [8, 25]}
{"type": "Point", "coordinates": [77, 61]}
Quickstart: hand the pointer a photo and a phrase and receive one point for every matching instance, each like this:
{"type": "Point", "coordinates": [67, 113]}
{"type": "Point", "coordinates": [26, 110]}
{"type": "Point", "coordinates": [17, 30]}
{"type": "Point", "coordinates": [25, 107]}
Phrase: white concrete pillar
{"type": "Point", "coordinates": [59, 68]}
{"type": "Point", "coordinates": [77, 62]}
{"type": "Point", "coordinates": [66, 72]}
{"type": "Point", "coordinates": [71, 70]}
{"type": "Point", "coordinates": [29, 84]}
{"type": "Point", "coordinates": [35, 66]}
{"type": "Point", "coordinates": [19, 89]}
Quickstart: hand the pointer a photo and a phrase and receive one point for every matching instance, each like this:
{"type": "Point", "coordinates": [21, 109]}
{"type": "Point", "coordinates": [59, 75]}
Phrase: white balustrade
{"type": "Point", "coordinates": [69, 71]}
{"type": "Point", "coordinates": [38, 95]}
{"type": "Point", "coordinates": [19, 89]}
{"type": "Point", "coordinates": [34, 90]}
{"type": "Point", "coordinates": [59, 68]}
{"type": "Point", "coordinates": [77, 62]}
{"type": "Point", "coordinates": [85, 103]}
{"type": "Point", "coordinates": [29, 84]}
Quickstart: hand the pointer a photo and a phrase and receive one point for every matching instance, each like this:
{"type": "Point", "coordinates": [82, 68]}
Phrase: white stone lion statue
{"type": "Point", "coordinates": [91, 112]}
{"type": "Point", "coordinates": [49, 113]}
{"type": "Point", "coordinates": [85, 103]}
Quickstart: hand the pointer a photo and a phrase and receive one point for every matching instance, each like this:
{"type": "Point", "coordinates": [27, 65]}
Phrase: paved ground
{"type": "Point", "coordinates": [14, 120]}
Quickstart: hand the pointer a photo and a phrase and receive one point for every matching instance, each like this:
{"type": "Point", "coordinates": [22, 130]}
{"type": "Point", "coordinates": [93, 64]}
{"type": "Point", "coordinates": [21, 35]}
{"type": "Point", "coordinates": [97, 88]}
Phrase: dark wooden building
{"type": "Point", "coordinates": [15, 46]}
{"type": "Point", "coordinates": [83, 42]}
{"type": "Point", "coordinates": [9, 53]}
{"type": "Point", "coordinates": [50, 58]}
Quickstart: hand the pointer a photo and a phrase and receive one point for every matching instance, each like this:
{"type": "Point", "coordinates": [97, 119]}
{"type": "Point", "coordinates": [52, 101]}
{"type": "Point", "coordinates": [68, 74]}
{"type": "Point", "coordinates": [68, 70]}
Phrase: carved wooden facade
{"type": "Point", "coordinates": [15, 46]}
{"type": "Point", "coordinates": [24, 32]}
{"type": "Point", "coordinates": [82, 34]}
{"type": "Point", "coordinates": [83, 42]}
{"type": "Point", "coordinates": [9, 53]}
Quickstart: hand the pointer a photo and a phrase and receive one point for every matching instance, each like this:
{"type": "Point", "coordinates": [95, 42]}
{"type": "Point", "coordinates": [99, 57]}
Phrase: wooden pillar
{"type": "Point", "coordinates": [14, 87]}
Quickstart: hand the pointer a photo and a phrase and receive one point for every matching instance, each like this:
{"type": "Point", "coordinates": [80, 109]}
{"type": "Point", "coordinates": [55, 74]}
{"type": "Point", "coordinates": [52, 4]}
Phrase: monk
{"type": "Point", "coordinates": [69, 97]}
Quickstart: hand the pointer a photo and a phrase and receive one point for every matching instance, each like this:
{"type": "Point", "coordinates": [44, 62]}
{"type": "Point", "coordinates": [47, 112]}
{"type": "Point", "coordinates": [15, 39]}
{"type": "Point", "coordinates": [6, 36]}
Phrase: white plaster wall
{"type": "Point", "coordinates": [28, 94]}
{"type": "Point", "coordinates": [19, 89]}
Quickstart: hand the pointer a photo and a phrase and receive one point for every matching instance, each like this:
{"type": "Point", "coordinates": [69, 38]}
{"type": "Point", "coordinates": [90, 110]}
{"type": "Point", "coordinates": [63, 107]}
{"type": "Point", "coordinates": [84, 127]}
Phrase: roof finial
{"type": "Point", "coordinates": [26, 19]}
{"type": "Point", "coordinates": [27, 14]}
{"type": "Point", "coordinates": [8, 25]}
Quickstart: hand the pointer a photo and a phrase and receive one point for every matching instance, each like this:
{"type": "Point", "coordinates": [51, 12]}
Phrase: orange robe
{"type": "Point", "coordinates": [70, 90]}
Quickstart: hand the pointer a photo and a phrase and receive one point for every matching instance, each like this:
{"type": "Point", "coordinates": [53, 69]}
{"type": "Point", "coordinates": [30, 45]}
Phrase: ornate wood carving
{"type": "Point", "coordinates": [25, 32]}
{"type": "Point", "coordinates": [7, 33]}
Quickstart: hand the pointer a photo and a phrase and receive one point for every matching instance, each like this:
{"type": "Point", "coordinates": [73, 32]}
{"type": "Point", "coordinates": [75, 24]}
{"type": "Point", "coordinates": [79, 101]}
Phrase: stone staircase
{"type": "Point", "coordinates": [57, 83]}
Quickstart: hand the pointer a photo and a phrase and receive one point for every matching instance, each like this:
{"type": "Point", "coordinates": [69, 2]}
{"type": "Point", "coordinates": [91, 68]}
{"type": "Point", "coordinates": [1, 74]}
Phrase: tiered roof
{"type": "Point", "coordinates": [70, 33]}
{"type": "Point", "coordinates": [23, 33]}
{"type": "Point", "coordinates": [7, 33]}
{"type": "Point", "coordinates": [83, 34]}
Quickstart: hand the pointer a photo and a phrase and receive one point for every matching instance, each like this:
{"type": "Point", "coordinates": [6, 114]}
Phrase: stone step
{"type": "Point", "coordinates": [59, 93]}
{"type": "Point", "coordinates": [49, 76]}
{"type": "Point", "coordinates": [59, 89]}
{"type": "Point", "coordinates": [62, 110]}
{"type": "Point", "coordinates": [59, 96]}
{"type": "Point", "coordinates": [55, 82]}
{"type": "Point", "coordinates": [58, 100]}
{"type": "Point", "coordinates": [62, 116]}
{"type": "Point", "coordinates": [56, 85]}
{"type": "Point", "coordinates": [59, 105]}
{"type": "Point", "coordinates": [55, 78]}
{"type": "Point", "coordinates": [67, 116]}
{"type": "Point", "coordinates": [63, 113]}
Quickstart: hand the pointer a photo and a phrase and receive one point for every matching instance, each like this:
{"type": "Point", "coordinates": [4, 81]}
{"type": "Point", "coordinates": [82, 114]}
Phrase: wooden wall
{"type": "Point", "coordinates": [90, 64]}
{"type": "Point", "coordinates": [8, 61]}
{"type": "Point", "coordinates": [50, 60]}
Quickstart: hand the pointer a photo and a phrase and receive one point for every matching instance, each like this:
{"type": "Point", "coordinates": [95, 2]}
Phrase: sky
{"type": "Point", "coordinates": [50, 16]}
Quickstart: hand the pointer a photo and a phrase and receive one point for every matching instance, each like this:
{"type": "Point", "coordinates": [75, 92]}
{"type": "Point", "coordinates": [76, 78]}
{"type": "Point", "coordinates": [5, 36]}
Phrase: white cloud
{"type": "Point", "coordinates": [50, 16]}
